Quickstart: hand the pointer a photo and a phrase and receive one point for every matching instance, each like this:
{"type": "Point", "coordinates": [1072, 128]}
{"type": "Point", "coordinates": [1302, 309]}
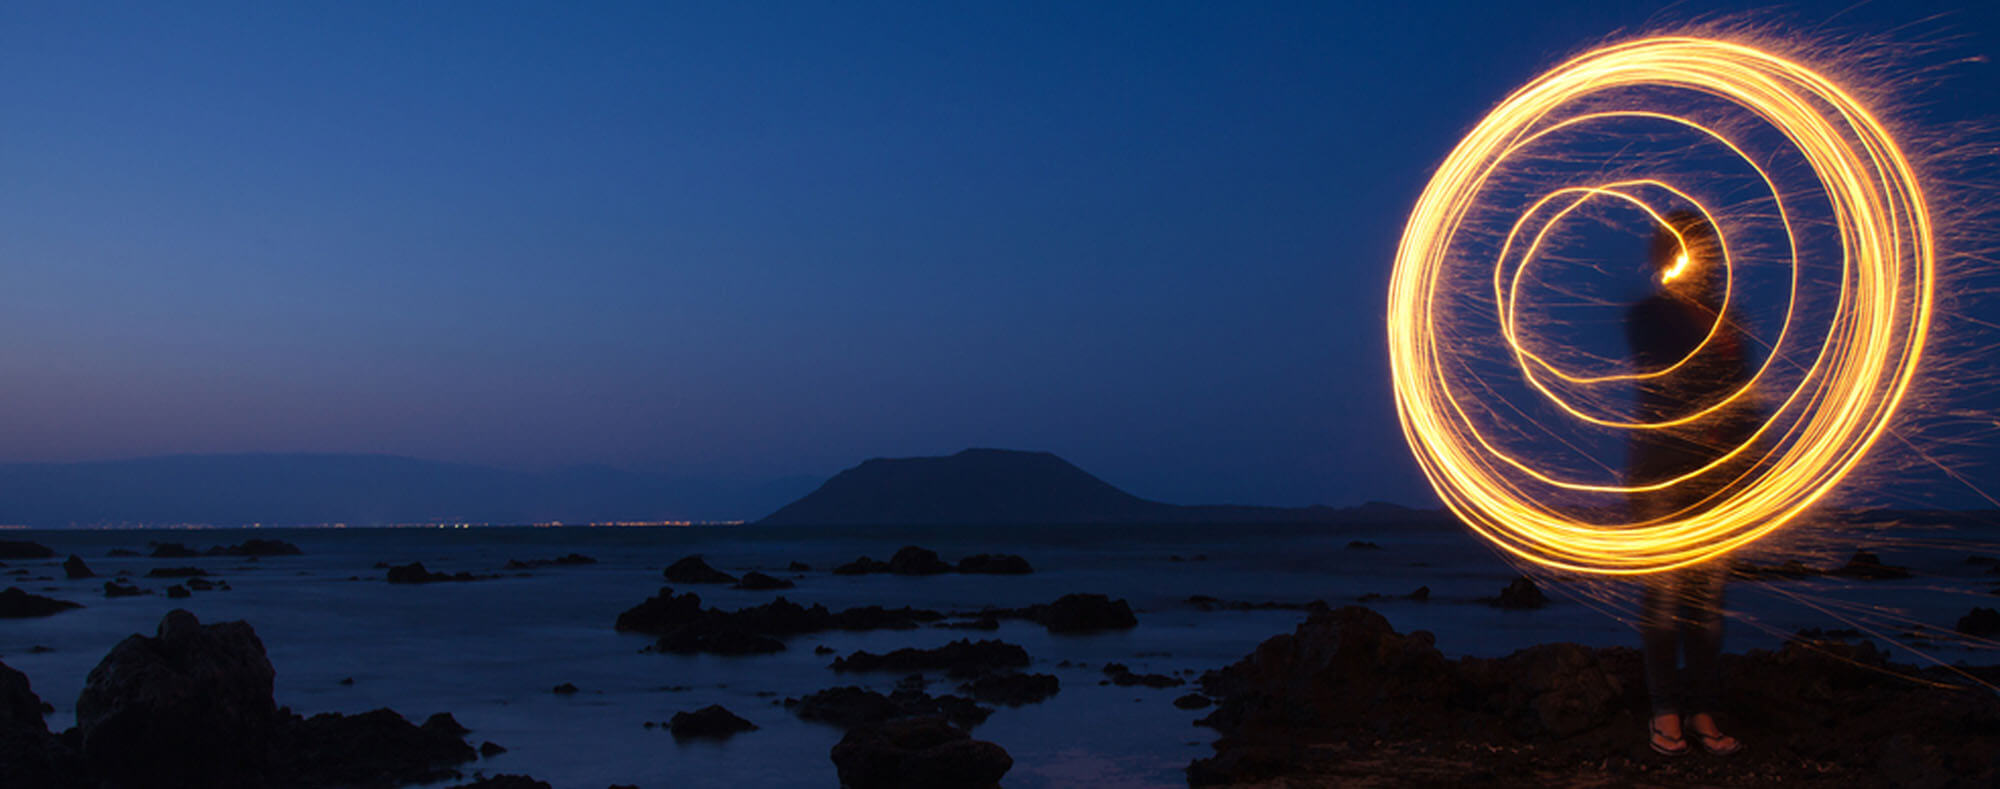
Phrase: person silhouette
{"type": "Point", "coordinates": [1681, 610]}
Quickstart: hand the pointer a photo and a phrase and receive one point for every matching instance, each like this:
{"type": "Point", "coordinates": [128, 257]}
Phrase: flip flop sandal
{"type": "Point", "coordinates": [1734, 744]}
{"type": "Point", "coordinates": [1678, 746]}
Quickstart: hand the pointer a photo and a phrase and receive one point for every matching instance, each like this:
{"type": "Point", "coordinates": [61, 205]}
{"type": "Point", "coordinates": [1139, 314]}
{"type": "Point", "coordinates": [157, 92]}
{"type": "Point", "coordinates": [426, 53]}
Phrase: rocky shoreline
{"type": "Point", "coordinates": [1345, 700]}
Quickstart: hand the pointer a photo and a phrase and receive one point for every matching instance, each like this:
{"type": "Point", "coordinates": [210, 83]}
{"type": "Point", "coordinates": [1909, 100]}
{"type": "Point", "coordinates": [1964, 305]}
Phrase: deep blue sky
{"type": "Point", "coordinates": [751, 240]}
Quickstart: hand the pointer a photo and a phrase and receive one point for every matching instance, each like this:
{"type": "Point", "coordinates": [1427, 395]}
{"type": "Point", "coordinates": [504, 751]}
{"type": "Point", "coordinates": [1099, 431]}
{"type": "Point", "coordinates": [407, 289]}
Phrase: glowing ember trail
{"type": "Point", "coordinates": [1818, 430]}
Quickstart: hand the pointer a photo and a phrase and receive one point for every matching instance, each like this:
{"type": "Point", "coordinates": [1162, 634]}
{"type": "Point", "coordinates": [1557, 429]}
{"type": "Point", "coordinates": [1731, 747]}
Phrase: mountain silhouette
{"type": "Point", "coordinates": [983, 487]}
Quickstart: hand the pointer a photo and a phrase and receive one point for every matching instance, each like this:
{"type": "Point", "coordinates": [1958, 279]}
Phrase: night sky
{"type": "Point", "coordinates": [756, 240]}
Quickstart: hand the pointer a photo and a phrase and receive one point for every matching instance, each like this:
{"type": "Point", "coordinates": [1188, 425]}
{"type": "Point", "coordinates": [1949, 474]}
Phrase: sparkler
{"type": "Point", "coordinates": [1820, 429]}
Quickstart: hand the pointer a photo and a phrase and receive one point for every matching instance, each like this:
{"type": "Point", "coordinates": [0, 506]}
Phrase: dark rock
{"type": "Point", "coordinates": [200, 584]}
{"type": "Point", "coordinates": [917, 752]}
{"type": "Point", "coordinates": [723, 640]}
{"type": "Point", "coordinates": [861, 566]}
{"type": "Point", "coordinates": [378, 748]}
{"type": "Point", "coordinates": [490, 749]}
{"type": "Point", "coordinates": [692, 570]}
{"type": "Point", "coordinates": [172, 550]}
{"type": "Point", "coordinates": [257, 547]}
{"type": "Point", "coordinates": [75, 569]}
{"type": "Point", "coordinates": [118, 589]}
{"type": "Point", "coordinates": [912, 560]}
{"type": "Point", "coordinates": [1123, 677]}
{"type": "Point", "coordinates": [711, 721]}
{"type": "Point", "coordinates": [568, 560]}
{"type": "Point", "coordinates": [961, 658]}
{"type": "Point", "coordinates": [414, 573]}
{"type": "Point", "coordinates": [175, 572]}
{"type": "Point", "coordinates": [995, 564]}
{"type": "Point", "coordinates": [177, 592]}
{"type": "Point", "coordinates": [505, 781]}
{"type": "Point", "coordinates": [1344, 694]}
{"type": "Point", "coordinates": [1791, 569]}
{"type": "Point", "coordinates": [564, 689]}
{"type": "Point", "coordinates": [758, 581]}
{"type": "Point", "coordinates": [1521, 594]}
{"type": "Point", "coordinates": [798, 567]}
{"type": "Point", "coordinates": [122, 552]}
{"type": "Point", "coordinates": [1192, 701]}
{"type": "Point", "coordinates": [848, 707]}
{"type": "Point", "coordinates": [347, 681]}
{"type": "Point", "coordinates": [1362, 545]}
{"type": "Point", "coordinates": [189, 706]}
{"type": "Point", "coordinates": [661, 613]}
{"type": "Point", "coordinates": [1421, 595]}
{"type": "Point", "coordinates": [16, 604]}
{"type": "Point", "coordinates": [29, 755]}
{"type": "Point", "coordinates": [21, 549]}
{"type": "Point", "coordinates": [1868, 566]}
{"type": "Point", "coordinates": [823, 650]}
{"type": "Point", "coordinates": [687, 627]}
{"type": "Point", "coordinates": [1011, 688]}
{"type": "Point", "coordinates": [1981, 622]}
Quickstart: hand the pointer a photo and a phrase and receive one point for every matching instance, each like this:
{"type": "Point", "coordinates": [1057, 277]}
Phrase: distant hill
{"type": "Point", "coordinates": [1009, 487]}
{"type": "Point", "coordinates": [282, 489]}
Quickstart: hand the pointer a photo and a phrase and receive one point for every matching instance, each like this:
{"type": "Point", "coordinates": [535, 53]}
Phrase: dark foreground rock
{"type": "Point", "coordinates": [1867, 566]}
{"type": "Point", "coordinates": [1980, 623]}
{"type": "Point", "coordinates": [191, 706]}
{"type": "Point", "coordinates": [961, 658]}
{"type": "Point", "coordinates": [692, 570]}
{"type": "Point", "coordinates": [685, 626]}
{"type": "Point", "coordinates": [917, 752]}
{"type": "Point", "coordinates": [172, 550]}
{"type": "Point", "coordinates": [29, 755]}
{"type": "Point", "coordinates": [16, 604]}
{"type": "Point", "coordinates": [912, 560]}
{"type": "Point", "coordinates": [1345, 699]}
{"type": "Point", "coordinates": [1123, 676]}
{"type": "Point", "coordinates": [712, 722]}
{"type": "Point", "coordinates": [122, 589]}
{"type": "Point", "coordinates": [74, 568]}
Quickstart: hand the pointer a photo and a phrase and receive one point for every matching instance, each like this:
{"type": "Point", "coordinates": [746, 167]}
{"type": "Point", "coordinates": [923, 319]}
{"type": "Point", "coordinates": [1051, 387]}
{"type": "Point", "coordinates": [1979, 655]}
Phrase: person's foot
{"type": "Point", "coordinates": [1667, 737]}
{"type": "Point", "coordinates": [1711, 736]}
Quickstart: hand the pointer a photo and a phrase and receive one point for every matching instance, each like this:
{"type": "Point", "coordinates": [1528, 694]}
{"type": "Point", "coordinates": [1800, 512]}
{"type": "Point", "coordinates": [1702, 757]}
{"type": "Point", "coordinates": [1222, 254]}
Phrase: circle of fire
{"type": "Point", "coordinates": [1842, 404]}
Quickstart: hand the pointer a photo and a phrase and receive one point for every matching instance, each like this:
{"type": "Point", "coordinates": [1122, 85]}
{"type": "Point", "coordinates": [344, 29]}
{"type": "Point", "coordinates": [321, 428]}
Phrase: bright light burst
{"type": "Point", "coordinates": [1857, 372]}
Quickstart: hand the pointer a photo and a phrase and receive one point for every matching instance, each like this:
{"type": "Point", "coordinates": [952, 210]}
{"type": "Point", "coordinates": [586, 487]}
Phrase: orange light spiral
{"type": "Point", "coordinates": [1820, 429]}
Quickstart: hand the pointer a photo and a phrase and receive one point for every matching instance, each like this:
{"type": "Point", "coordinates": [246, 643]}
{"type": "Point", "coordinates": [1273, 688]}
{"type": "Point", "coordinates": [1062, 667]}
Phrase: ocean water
{"type": "Point", "coordinates": [490, 651]}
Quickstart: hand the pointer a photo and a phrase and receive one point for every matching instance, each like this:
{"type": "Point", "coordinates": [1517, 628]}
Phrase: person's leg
{"type": "Point", "coordinates": [1701, 637]}
{"type": "Point", "coordinates": [1659, 639]}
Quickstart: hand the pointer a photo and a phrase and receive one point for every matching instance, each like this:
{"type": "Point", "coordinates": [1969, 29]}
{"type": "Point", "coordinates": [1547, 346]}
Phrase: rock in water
{"type": "Point", "coordinates": [712, 721]}
{"type": "Point", "coordinates": [21, 549]}
{"type": "Point", "coordinates": [1522, 594]}
{"type": "Point", "coordinates": [75, 568]}
{"type": "Point", "coordinates": [1084, 613]}
{"type": "Point", "coordinates": [914, 752]}
{"type": "Point", "coordinates": [189, 706]}
{"type": "Point", "coordinates": [1868, 566]}
{"type": "Point", "coordinates": [1981, 623]}
{"type": "Point", "coordinates": [16, 604]}
{"type": "Point", "coordinates": [757, 581]}
{"type": "Point", "coordinates": [505, 781]}
{"type": "Point", "coordinates": [692, 570]}
{"type": "Point", "coordinates": [912, 560]}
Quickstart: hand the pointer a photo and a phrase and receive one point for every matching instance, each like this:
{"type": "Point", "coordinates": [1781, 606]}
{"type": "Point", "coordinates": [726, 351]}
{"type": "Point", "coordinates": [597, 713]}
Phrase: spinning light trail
{"type": "Point", "coordinates": [1816, 432]}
